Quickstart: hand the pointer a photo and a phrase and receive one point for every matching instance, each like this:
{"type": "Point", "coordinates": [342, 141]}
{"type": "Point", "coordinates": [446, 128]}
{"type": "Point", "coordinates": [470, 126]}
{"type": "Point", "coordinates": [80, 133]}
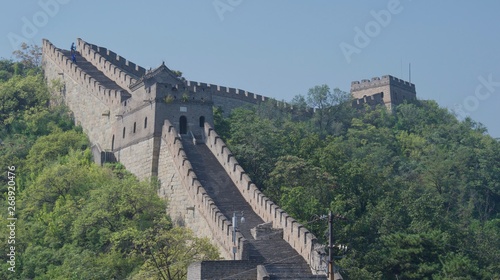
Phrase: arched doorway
{"type": "Point", "coordinates": [202, 121]}
{"type": "Point", "coordinates": [183, 125]}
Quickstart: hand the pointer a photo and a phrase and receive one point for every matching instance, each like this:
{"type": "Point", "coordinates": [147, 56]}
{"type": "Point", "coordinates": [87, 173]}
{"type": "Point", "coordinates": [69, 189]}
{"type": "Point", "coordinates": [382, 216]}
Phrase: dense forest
{"type": "Point", "coordinates": [420, 189]}
{"type": "Point", "coordinates": [74, 219]}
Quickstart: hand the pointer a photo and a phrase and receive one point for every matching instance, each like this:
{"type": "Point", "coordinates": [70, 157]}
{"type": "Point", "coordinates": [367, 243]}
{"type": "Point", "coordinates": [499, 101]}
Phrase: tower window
{"type": "Point", "coordinates": [202, 121]}
{"type": "Point", "coordinates": [183, 125]}
{"type": "Point", "coordinates": [145, 122]}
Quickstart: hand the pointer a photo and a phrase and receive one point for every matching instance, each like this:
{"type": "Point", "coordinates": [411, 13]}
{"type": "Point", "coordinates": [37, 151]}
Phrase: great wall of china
{"type": "Point", "coordinates": [161, 126]}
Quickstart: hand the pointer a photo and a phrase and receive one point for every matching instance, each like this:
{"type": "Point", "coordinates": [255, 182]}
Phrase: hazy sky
{"type": "Point", "coordinates": [282, 48]}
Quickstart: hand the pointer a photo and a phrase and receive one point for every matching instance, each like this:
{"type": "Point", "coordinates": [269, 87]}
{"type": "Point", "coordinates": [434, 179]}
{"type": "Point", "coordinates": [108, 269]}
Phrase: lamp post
{"type": "Point", "coordinates": [331, 267]}
{"type": "Point", "coordinates": [331, 245]}
{"type": "Point", "coordinates": [235, 226]}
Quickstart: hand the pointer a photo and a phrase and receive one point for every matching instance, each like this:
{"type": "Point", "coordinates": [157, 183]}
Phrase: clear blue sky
{"type": "Point", "coordinates": [282, 48]}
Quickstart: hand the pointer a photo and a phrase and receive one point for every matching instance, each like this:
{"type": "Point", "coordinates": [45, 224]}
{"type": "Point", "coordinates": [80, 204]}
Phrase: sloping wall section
{"type": "Point", "coordinates": [303, 241]}
{"type": "Point", "coordinates": [200, 205]}
{"type": "Point", "coordinates": [120, 121]}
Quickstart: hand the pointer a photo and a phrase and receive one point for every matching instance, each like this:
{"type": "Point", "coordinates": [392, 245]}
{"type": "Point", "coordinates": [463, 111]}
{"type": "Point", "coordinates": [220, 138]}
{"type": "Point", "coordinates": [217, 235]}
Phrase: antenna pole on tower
{"type": "Point", "coordinates": [409, 72]}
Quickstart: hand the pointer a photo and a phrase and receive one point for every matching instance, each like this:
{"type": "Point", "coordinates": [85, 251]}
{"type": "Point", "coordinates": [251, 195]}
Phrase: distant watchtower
{"type": "Point", "coordinates": [387, 90]}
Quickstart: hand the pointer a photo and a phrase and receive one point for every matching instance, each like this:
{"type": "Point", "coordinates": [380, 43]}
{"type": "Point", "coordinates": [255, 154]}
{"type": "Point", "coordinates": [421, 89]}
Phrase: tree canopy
{"type": "Point", "coordinates": [420, 189]}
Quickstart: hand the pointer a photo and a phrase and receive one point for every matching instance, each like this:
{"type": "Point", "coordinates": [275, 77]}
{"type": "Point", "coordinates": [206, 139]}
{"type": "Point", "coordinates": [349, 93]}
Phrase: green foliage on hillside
{"type": "Point", "coordinates": [76, 220]}
{"type": "Point", "coordinates": [420, 189]}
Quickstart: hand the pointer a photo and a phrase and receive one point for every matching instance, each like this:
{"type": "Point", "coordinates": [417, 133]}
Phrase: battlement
{"type": "Point", "coordinates": [127, 65]}
{"type": "Point", "coordinates": [172, 94]}
{"type": "Point", "coordinates": [294, 233]}
{"type": "Point", "coordinates": [240, 94]}
{"type": "Point", "coordinates": [233, 94]}
{"type": "Point", "coordinates": [372, 100]}
{"type": "Point", "coordinates": [220, 225]}
{"type": "Point", "coordinates": [111, 97]}
{"type": "Point", "coordinates": [123, 72]}
{"type": "Point", "coordinates": [382, 81]}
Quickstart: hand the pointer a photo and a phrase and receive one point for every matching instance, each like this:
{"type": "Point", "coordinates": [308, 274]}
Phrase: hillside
{"type": "Point", "coordinates": [64, 216]}
{"type": "Point", "coordinates": [420, 189]}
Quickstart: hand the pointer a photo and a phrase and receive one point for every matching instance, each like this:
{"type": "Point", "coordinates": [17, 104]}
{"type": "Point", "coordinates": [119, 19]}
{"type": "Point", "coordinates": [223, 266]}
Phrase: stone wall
{"type": "Point", "coordinates": [138, 158]}
{"type": "Point", "coordinates": [117, 60]}
{"type": "Point", "coordinates": [90, 103]}
{"type": "Point", "coordinates": [386, 90]}
{"type": "Point", "coordinates": [230, 98]}
{"type": "Point", "coordinates": [131, 126]}
{"type": "Point", "coordinates": [382, 81]}
{"type": "Point", "coordinates": [106, 65]}
{"type": "Point", "coordinates": [218, 227]}
{"type": "Point", "coordinates": [208, 270]}
{"type": "Point", "coordinates": [371, 100]}
{"type": "Point", "coordinates": [303, 241]}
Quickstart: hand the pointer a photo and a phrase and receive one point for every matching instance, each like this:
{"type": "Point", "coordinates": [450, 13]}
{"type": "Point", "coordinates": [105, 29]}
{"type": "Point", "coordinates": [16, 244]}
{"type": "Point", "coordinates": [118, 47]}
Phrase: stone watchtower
{"type": "Point", "coordinates": [387, 90]}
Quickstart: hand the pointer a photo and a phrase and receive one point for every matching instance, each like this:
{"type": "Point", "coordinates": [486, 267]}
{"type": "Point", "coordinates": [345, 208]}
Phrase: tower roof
{"type": "Point", "coordinates": [161, 74]}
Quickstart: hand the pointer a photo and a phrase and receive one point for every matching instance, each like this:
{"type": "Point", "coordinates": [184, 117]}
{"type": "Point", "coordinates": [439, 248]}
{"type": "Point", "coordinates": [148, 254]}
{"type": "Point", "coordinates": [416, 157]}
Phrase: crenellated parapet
{"type": "Point", "coordinates": [372, 100]}
{"type": "Point", "coordinates": [115, 59]}
{"type": "Point", "coordinates": [382, 81]}
{"type": "Point", "coordinates": [296, 234]}
{"type": "Point", "coordinates": [111, 97]}
{"type": "Point", "coordinates": [121, 71]}
{"type": "Point", "coordinates": [229, 98]}
{"type": "Point", "coordinates": [387, 90]}
{"type": "Point", "coordinates": [219, 224]}
{"type": "Point", "coordinates": [228, 92]}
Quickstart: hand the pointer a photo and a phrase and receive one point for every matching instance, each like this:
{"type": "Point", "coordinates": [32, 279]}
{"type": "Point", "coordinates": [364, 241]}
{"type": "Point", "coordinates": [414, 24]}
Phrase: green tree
{"type": "Point", "coordinates": [167, 254]}
{"type": "Point", "coordinates": [293, 172]}
{"type": "Point", "coordinates": [29, 55]}
{"type": "Point", "coordinates": [328, 106]}
{"type": "Point", "coordinates": [258, 150]}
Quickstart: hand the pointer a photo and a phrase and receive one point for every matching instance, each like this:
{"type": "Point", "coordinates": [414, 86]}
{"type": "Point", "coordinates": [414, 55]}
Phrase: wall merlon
{"type": "Point", "coordinates": [381, 81]}
{"type": "Point", "coordinates": [93, 86]}
{"type": "Point", "coordinates": [110, 63]}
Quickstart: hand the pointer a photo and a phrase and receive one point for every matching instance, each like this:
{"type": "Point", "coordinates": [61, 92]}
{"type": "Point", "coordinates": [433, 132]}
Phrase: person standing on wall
{"type": "Point", "coordinates": [73, 52]}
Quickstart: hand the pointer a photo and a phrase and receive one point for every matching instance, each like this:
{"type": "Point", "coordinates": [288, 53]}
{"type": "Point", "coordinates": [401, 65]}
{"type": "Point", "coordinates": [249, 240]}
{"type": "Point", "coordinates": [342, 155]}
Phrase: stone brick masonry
{"type": "Point", "coordinates": [159, 126]}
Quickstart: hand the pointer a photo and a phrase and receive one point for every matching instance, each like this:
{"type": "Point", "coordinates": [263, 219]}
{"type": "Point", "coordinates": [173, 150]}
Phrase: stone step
{"type": "Point", "coordinates": [92, 71]}
{"type": "Point", "coordinates": [290, 271]}
{"type": "Point", "coordinates": [228, 199]}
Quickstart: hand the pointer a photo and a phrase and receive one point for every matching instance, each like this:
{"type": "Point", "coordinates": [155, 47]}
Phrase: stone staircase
{"type": "Point", "coordinates": [91, 70]}
{"type": "Point", "coordinates": [276, 255]}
